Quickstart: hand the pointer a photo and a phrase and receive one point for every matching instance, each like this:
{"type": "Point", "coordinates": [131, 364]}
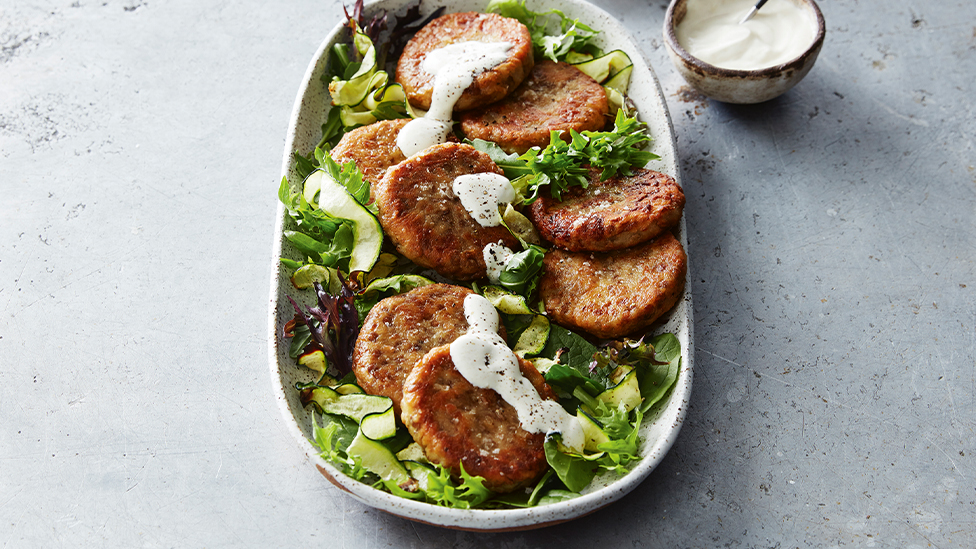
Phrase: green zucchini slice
{"type": "Point", "coordinates": [602, 68]}
{"type": "Point", "coordinates": [533, 338]}
{"type": "Point", "coordinates": [626, 393]}
{"type": "Point", "coordinates": [322, 190]}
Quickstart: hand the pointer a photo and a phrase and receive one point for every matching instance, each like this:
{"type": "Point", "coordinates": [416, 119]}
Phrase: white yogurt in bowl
{"type": "Point", "coordinates": [780, 32]}
{"type": "Point", "coordinates": [743, 63]}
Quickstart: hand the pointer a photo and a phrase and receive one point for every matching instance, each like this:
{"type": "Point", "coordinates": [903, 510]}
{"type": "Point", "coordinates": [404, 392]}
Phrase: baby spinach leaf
{"type": "Point", "coordinates": [575, 473]}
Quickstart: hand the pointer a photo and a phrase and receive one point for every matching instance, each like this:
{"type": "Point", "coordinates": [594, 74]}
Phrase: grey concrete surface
{"type": "Point", "coordinates": [832, 238]}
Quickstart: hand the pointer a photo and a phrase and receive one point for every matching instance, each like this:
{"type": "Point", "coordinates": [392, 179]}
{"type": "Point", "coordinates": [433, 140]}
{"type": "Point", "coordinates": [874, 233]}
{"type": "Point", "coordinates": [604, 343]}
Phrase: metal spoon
{"type": "Point", "coordinates": [753, 11]}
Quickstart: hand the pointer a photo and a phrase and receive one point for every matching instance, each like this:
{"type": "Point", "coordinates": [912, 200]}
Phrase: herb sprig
{"type": "Point", "coordinates": [562, 165]}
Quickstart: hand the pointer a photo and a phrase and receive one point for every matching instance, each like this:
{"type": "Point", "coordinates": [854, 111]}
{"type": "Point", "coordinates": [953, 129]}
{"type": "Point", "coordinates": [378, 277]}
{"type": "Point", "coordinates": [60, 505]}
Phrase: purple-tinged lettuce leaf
{"type": "Point", "coordinates": [333, 326]}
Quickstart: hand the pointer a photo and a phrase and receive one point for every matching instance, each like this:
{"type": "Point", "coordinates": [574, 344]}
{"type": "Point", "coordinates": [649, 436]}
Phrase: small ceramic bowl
{"type": "Point", "coordinates": [741, 86]}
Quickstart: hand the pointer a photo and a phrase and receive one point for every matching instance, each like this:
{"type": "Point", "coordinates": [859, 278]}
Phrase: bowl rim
{"type": "Point", "coordinates": [671, 40]}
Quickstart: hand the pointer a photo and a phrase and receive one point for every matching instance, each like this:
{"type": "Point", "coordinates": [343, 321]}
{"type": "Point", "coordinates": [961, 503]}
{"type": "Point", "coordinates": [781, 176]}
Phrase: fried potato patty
{"type": "Point", "coordinates": [425, 219]}
{"type": "Point", "coordinates": [614, 294]}
{"type": "Point", "coordinates": [400, 330]}
{"type": "Point", "coordinates": [610, 215]}
{"type": "Point", "coordinates": [556, 96]}
{"type": "Point", "coordinates": [373, 148]}
{"type": "Point", "coordinates": [488, 86]}
{"type": "Point", "coordinates": [458, 424]}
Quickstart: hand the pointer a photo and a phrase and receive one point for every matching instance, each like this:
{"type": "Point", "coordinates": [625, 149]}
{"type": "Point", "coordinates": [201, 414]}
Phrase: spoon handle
{"type": "Point", "coordinates": [753, 11]}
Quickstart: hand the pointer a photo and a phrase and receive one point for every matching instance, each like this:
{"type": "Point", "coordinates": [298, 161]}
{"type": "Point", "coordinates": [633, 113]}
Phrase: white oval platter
{"type": "Point", "coordinates": [660, 426]}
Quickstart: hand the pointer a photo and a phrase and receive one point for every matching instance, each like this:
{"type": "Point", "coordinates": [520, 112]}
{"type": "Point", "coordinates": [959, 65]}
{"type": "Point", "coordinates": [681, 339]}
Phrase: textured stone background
{"type": "Point", "coordinates": [832, 237]}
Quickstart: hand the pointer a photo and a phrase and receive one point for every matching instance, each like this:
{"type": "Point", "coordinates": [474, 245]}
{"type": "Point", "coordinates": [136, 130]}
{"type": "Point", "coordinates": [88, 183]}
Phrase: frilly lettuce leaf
{"type": "Point", "coordinates": [554, 35]}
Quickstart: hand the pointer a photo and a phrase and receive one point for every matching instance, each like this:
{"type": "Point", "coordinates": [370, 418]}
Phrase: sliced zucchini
{"type": "Point", "coordinates": [327, 380]}
{"type": "Point", "coordinates": [533, 338]}
{"type": "Point", "coordinates": [317, 362]}
{"type": "Point", "coordinates": [625, 394]}
{"type": "Point", "coordinates": [349, 389]}
{"type": "Point", "coordinates": [614, 98]}
{"type": "Point", "coordinates": [520, 226]}
{"type": "Point", "coordinates": [377, 458]}
{"type": "Point", "coordinates": [505, 301]}
{"type": "Point", "coordinates": [543, 364]}
{"type": "Point", "coordinates": [355, 406]}
{"type": "Point", "coordinates": [574, 57]}
{"type": "Point", "coordinates": [314, 360]}
{"type": "Point", "coordinates": [603, 67]}
{"type": "Point", "coordinates": [379, 426]}
{"type": "Point", "coordinates": [351, 118]}
{"type": "Point", "coordinates": [382, 268]}
{"type": "Point", "coordinates": [592, 431]}
{"type": "Point", "coordinates": [311, 188]}
{"type": "Point", "coordinates": [336, 201]}
{"type": "Point", "coordinates": [359, 99]}
{"type": "Point", "coordinates": [366, 79]}
{"type": "Point", "coordinates": [391, 94]}
{"type": "Point", "coordinates": [306, 275]}
{"type": "Point", "coordinates": [621, 80]}
{"type": "Point", "coordinates": [403, 283]}
{"type": "Point", "coordinates": [420, 472]}
{"type": "Point", "coordinates": [413, 452]}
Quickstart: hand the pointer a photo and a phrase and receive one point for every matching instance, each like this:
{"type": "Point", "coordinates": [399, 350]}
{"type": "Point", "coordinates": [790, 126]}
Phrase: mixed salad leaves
{"type": "Point", "coordinates": [609, 388]}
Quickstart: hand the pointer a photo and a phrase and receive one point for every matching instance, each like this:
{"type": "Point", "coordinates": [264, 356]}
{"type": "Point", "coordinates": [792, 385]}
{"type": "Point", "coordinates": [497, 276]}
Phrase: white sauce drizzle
{"type": "Point", "coordinates": [420, 133]}
{"type": "Point", "coordinates": [496, 255]}
{"type": "Point", "coordinates": [778, 33]}
{"type": "Point", "coordinates": [481, 194]}
{"type": "Point", "coordinates": [483, 358]}
{"type": "Point", "coordinates": [454, 68]}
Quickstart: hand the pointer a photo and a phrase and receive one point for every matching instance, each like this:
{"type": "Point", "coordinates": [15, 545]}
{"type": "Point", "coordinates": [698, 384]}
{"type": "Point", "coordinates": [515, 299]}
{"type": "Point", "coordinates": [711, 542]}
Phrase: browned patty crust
{"type": "Point", "coordinates": [618, 213]}
{"type": "Point", "coordinates": [488, 86]}
{"type": "Point", "coordinates": [556, 96]}
{"type": "Point", "coordinates": [457, 423]}
{"type": "Point", "coordinates": [425, 219]}
{"type": "Point", "coordinates": [613, 294]}
{"type": "Point", "coordinates": [373, 148]}
{"type": "Point", "coordinates": [400, 330]}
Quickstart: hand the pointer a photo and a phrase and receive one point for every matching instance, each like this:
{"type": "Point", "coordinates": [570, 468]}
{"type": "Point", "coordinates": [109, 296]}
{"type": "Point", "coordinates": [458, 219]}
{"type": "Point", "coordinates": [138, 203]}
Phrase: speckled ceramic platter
{"type": "Point", "coordinates": [661, 424]}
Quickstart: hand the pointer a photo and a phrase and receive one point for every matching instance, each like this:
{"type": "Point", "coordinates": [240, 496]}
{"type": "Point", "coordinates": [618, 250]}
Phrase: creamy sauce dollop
{"type": "Point", "coordinates": [496, 255]}
{"type": "Point", "coordinates": [483, 358]}
{"type": "Point", "coordinates": [454, 68]}
{"type": "Point", "coordinates": [420, 133]}
{"type": "Point", "coordinates": [778, 33]}
{"type": "Point", "coordinates": [481, 194]}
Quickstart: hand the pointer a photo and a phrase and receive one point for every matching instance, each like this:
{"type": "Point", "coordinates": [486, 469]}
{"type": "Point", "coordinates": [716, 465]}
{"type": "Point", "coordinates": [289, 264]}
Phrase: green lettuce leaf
{"type": "Point", "coordinates": [521, 272]}
{"type": "Point", "coordinates": [333, 439]}
{"type": "Point", "coordinates": [657, 379]}
{"type": "Point", "coordinates": [554, 35]}
{"type": "Point", "coordinates": [349, 176]}
{"type": "Point", "coordinates": [442, 490]}
{"type": "Point", "coordinates": [569, 348]}
{"type": "Point", "coordinates": [575, 473]}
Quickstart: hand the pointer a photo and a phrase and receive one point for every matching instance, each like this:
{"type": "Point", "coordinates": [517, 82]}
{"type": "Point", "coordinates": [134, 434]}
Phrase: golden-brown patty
{"type": "Point", "coordinates": [555, 96]}
{"type": "Point", "coordinates": [488, 86]}
{"type": "Point", "coordinates": [610, 215]}
{"type": "Point", "coordinates": [457, 423]}
{"type": "Point", "coordinates": [425, 219]}
{"type": "Point", "coordinates": [613, 294]}
{"type": "Point", "coordinates": [373, 148]}
{"type": "Point", "coordinates": [400, 330]}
